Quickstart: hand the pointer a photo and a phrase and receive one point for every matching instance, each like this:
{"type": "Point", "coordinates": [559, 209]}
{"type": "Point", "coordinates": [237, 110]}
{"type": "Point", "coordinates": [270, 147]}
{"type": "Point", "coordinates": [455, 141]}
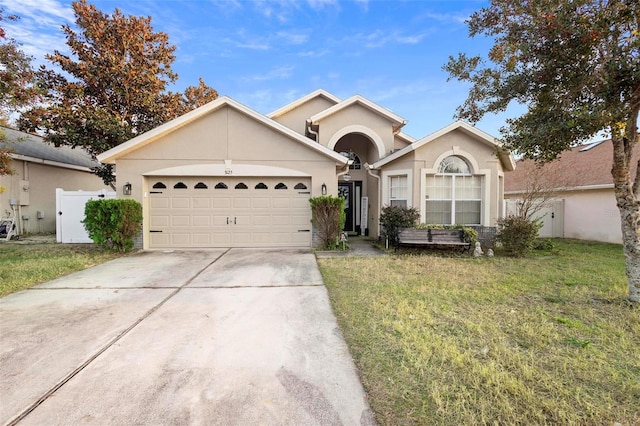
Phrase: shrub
{"type": "Point", "coordinates": [113, 223]}
{"type": "Point", "coordinates": [328, 217]}
{"type": "Point", "coordinates": [543, 244]}
{"type": "Point", "coordinates": [393, 218]}
{"type": "Point", "coordinates": [517, 234]}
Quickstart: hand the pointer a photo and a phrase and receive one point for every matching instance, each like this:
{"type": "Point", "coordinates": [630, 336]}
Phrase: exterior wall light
{"type": "Point", "coordinates": [126, 189]}
{"type": "Point", "coordinates": [324, 189]}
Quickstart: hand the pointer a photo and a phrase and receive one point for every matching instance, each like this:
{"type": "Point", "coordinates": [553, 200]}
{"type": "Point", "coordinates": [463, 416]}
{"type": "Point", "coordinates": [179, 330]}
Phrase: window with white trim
{"type": "Point", "coordinates": [454, 194]}
{"type": "Point", "coordinates": [398, 190]}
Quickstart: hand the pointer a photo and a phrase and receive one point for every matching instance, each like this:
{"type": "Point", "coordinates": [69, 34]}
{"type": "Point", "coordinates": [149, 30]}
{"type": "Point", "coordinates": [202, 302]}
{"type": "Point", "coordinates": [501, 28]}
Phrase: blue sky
{"type": "Point", "coordinates": [267, 53]}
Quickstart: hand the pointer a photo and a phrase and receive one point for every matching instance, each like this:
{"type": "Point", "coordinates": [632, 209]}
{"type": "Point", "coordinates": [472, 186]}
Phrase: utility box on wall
{"type": "Point", "coordinates": [23, 193]}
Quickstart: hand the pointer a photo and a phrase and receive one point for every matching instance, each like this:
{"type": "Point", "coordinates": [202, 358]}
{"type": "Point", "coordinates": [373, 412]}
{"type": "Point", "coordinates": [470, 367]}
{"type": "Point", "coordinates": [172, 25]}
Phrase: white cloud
{"type": "Point", "coordinates": [278, 73]}
{"type": "Point", "coordinates": [314, 53]}
{"type": "Point", "coordinates": [321, 4]}
{"type": "Point", "coordinates": [292, 37]}
{"type": "Point", "coordinates": [45, 12]}
{"type": "Point", "coordinates": [380, 38]}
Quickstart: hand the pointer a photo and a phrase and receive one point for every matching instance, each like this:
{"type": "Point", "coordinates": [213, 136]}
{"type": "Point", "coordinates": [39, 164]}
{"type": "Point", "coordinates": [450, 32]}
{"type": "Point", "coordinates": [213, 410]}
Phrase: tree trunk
{"type": "Point", "coordinates": [631, 246]}
{"type": "Point", "coordinates": [629, 206]}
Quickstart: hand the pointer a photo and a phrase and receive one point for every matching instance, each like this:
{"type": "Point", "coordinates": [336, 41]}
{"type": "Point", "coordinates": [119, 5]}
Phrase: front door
{"type": "Point", "coordinates": [345, 190]}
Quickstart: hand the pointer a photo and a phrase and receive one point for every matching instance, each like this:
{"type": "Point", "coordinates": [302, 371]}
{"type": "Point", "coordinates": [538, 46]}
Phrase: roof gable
{"type": "Point", "coordinates": [144, 139]}
{"type": "Point", "coordinates": [505, 156]}
{"type": "Point", "coordinates": [579, 168]}
{"type": "Point", "coordinates": [397, 121]}
{"type": "Point", "coordinates": [303, 100]}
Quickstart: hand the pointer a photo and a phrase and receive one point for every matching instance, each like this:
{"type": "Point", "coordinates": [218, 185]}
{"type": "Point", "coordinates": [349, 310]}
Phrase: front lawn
{"type": "Point", "coordinates": [25, 265]}
{"type": "Point", "coordinates": [450, 340]}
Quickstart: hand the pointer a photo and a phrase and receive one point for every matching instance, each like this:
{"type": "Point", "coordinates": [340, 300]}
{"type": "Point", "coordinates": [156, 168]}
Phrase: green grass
{"type": "Point", "coordinates": [450, 340]}
{"type": "Point", "coordinates": [25, 265]}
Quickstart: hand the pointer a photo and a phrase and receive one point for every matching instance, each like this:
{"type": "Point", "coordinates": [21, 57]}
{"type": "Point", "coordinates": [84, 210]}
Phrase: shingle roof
{"type": "Point", "coordinates": [583, 166]}
{"type": "Point", "coordinates": [33, 146]}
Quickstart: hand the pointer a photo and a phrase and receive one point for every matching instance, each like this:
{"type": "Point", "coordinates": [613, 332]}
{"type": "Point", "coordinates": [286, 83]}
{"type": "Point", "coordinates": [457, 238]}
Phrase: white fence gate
{"type": "Point", "coordinates": [70, 214]}
{"type": "Point", "coordinates": [552, 215]}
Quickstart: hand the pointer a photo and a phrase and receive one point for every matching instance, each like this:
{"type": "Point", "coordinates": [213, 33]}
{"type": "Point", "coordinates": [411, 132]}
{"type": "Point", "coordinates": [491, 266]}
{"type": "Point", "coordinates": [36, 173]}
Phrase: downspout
{"type": "Point", "coordinates": [369, 169]}
{"type": "Point", "coordinates": [345, 170]}
{"type": "Point", "coordinates": [313, 132]}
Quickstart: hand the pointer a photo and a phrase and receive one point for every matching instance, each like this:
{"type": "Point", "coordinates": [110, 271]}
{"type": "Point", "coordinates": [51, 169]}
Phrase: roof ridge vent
{"type": "Point", "coordinates": [591, 146]}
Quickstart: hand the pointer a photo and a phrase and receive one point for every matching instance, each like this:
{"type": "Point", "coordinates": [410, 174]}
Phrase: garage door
{"type": "Point", "coordinates": [229, 212]}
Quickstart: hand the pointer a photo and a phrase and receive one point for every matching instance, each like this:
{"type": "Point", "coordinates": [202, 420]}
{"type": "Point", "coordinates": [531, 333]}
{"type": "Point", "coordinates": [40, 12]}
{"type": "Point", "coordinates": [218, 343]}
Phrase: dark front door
{"type": "Point", "coordinates": [345, 190]}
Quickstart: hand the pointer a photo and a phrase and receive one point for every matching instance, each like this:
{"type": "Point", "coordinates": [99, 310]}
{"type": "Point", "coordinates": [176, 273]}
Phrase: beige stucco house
{"type": "Point", "coordinates": [225, 175]}
{"type": "Point", "coordinates": [582, 202]}
{"type": "Point", "coordinates": [39, 168]}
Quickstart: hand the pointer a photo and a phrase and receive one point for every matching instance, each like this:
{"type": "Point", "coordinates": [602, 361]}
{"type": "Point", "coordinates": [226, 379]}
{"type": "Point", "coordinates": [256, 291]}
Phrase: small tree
{"type": "Point", "coordinates": [518, 234]}
{"type": "Point", "coordinates": [113, 223]}
{"type": "Point", "coordinates": [328, 217]}
{"type": "Point", "coordinates": [393, 218]}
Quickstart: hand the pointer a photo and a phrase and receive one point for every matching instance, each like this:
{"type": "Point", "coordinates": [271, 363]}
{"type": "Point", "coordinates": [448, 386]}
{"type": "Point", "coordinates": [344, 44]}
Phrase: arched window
{"type": "Point", "coordinates": [281, 186]}
{"type": "Point", "coordinates": [241, 185]}
{"type": "Point", "coordinates": [454, 194]}
{"type": "Point", "coordinates": [300, 186]}
{"type": "Point", "coordinates": [356, 165]}
{"type": "Point", "coordinates": [454, 165]}
{"type": "Point", "coordinates": [261, 186]}
{"type": "Point", "coordinates": [221, 185]}
{"type": "Point", "coordinates": [201, 185]}
{"type": "Point", "coordinates": [159, 185]}
{"type": "Point", "coordinates": [179, 185]}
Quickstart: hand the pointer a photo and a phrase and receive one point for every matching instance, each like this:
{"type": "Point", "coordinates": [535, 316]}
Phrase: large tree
{"type": "Point", "coordinates": [576, 66]}
{"type": "Point", "coordinates": [17, 84]}
{"type": "Point", "coordinates": [119, 71]}
{"type": "Point", "coordinates": [17, 77]}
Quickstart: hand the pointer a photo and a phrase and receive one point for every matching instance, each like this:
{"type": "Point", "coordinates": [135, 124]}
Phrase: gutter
{"type": "Point", "coordinates": [50, 162]}
{"type": "Point", "coordinates": [573, 188]}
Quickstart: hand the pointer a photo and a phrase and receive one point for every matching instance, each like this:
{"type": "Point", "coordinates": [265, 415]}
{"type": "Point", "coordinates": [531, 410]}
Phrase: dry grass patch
{"type": "Point", "coordinates": [493, 341]}
{"type": "Point", "coordinates": [25, 265]}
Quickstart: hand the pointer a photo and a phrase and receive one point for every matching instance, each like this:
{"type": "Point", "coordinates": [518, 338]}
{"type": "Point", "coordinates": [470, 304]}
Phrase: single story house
{"type": "Point", "coordinates": [39, 168]}
{"type": "Point", "coordinates": [224, 175]}
{"type": "Point", "coordinates": [583, 203]}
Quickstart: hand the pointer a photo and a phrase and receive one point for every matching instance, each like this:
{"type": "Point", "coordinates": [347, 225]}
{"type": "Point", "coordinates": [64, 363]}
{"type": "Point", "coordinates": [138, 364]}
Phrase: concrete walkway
{"type": "Point", "coordinates": [221, 337]}
{"type": "Point", "coordinates": [358, 247]}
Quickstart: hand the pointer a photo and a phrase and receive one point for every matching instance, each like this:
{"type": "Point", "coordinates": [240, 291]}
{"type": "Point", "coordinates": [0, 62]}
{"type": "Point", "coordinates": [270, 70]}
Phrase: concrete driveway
{"type": "Point", "coordinates": [220, 337]}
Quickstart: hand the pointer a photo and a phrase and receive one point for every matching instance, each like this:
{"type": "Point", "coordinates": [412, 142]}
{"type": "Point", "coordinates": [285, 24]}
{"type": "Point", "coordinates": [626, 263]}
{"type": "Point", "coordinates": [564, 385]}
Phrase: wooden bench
{"type": "Point", "coordinates": [433, 237]}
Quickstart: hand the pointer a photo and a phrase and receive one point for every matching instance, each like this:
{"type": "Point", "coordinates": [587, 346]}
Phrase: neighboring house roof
{"type": "Point", "coordinates": [27, 147]}
{"type": "Point", "coordinates": [583, 167]}
{"type": "Point", "coordinates": [144, 139]}
{"type": "Point", "coordinates": [397, 121]}
{"type": "Point", "coordinates": [303, 100]}
{"type": "Point", "coordinates": [505, 156]}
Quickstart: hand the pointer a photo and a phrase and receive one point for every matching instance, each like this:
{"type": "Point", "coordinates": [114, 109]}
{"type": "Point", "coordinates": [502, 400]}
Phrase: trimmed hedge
{"type": "Point", "coordinates": [113, 223]}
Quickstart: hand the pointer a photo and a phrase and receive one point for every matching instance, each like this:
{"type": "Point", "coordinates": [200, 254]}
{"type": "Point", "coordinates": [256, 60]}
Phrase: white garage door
{"type": "Point", "coordinates": [229, 212]}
